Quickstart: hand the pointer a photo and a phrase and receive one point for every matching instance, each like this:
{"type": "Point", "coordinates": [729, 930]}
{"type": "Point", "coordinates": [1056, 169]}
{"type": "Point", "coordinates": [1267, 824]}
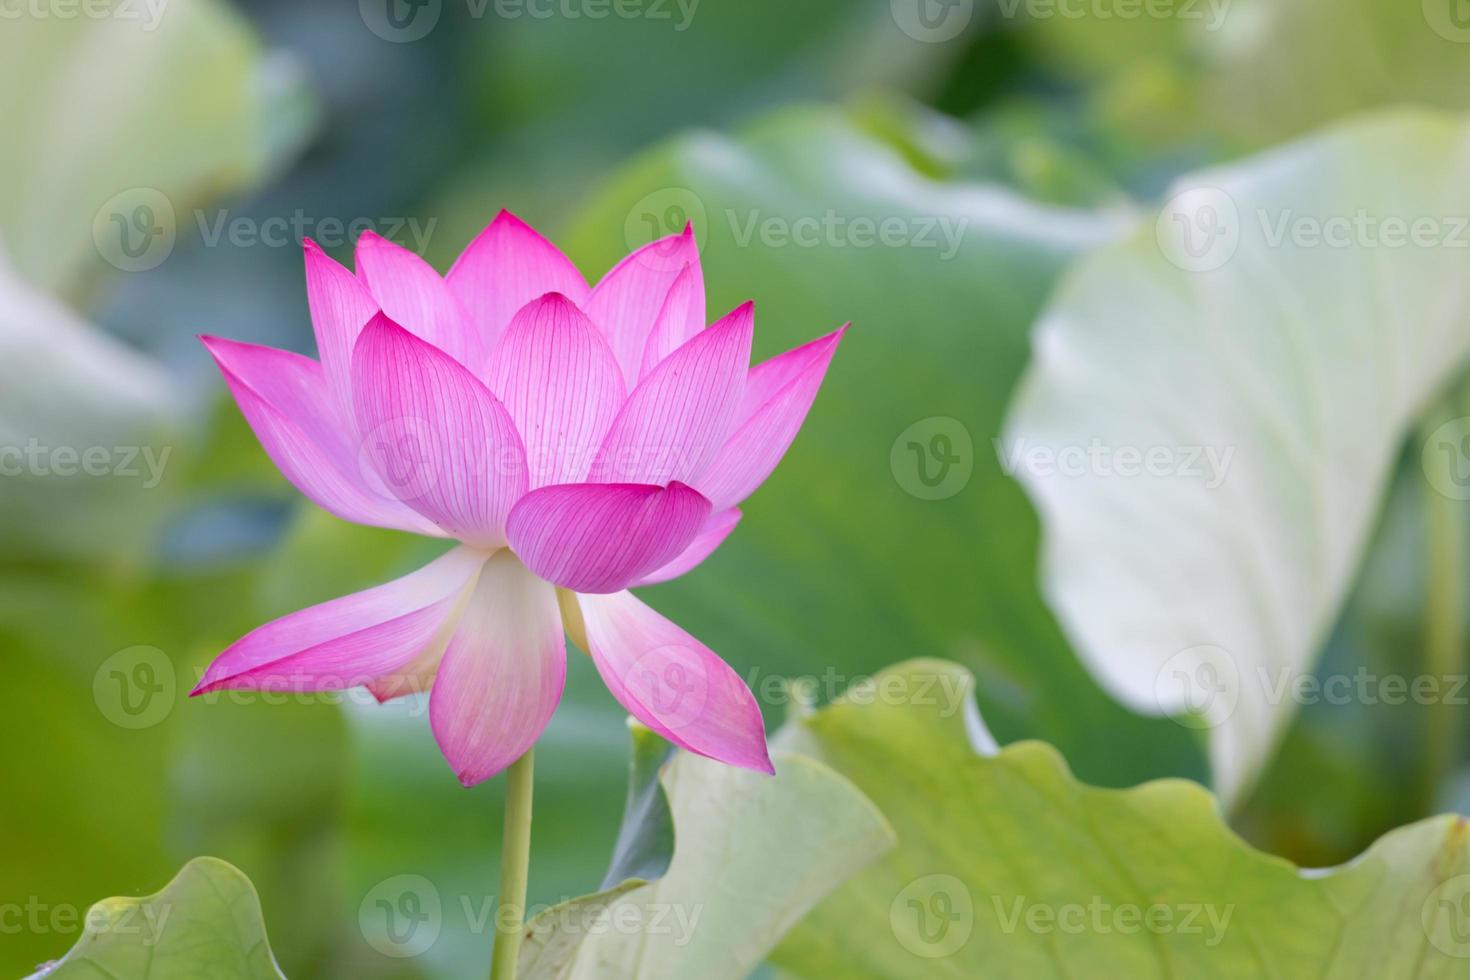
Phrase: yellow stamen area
{"type": "Point", "coordinates": [571, 619]}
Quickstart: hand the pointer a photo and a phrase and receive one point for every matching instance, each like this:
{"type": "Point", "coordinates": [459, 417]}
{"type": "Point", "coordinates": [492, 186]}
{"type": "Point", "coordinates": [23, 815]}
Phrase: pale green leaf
{"type": "Point", "coordinates": [752, 854]}
{"type": "Point", "coordinates": [87, 431]}
{"type": "Point", "coordinates": [205, 925]}
{"type": "Point", "coordinates": [1214, 408]}
{"type": "Point", "coordinates": [1007, 866]}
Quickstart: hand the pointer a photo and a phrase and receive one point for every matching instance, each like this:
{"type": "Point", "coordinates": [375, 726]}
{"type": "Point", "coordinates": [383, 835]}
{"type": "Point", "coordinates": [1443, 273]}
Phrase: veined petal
{"type": "Point", "coordinates": [413, 295]}
{"type": "Point", "coordinates": [599, 537]}
{"type": "Point", "coordinates": [414, 677]}
{"type": "Point", "coordinates": [286, 399]}
{"type": "Point", "coordinates": [440, 441]}
{"type": "Point", "coordinates": [340, 307]}
{"type": "Point", "coordinates": [678, 320]}
{"type": "Point", "coordinates": [767, 378]}
{"type": "Point", "coordinates": [716, 529]}
{"type": "Point", "coordinates": [788, 384]}
{"type": "Point", "coordinates": [673, 683]}
{"type": "Point", "coordinates": [353, 640]}
{"type": "Point", "coordinates": [502, 674]}
{"type": "Point", "coordinates": [504, 268]}
{"type": "Point", "coordinates": [558, 379]}
{"type": "Point", "coordinates": [627, 301]}
{"type": "Point", "coordinates": [678, 417]}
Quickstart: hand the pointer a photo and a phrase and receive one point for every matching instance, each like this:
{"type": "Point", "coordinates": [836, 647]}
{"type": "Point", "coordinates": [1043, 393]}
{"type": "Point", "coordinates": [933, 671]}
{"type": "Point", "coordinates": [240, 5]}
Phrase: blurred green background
{"type": "Point", "coordinates": [160, 168]}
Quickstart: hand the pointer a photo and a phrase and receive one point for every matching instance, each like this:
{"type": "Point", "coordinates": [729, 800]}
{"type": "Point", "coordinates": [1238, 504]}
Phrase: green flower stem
{"type": "Point", "coordinates": [515, 863]}
{"type": "Point", "coordinates": [1444, 631]}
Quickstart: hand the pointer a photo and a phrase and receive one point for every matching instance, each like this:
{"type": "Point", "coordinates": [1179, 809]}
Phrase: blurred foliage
{"type": "Point", "coordinates": [941, 331]}
{"type": "Point", "coordinates": [1227, 75]}
{"type": "Point", "coordinates": [154, 110]}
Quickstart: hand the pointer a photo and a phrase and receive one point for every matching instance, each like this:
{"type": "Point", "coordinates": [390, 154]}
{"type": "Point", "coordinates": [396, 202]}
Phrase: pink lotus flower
{"type": "Point", "coordinates": [575, 442]}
